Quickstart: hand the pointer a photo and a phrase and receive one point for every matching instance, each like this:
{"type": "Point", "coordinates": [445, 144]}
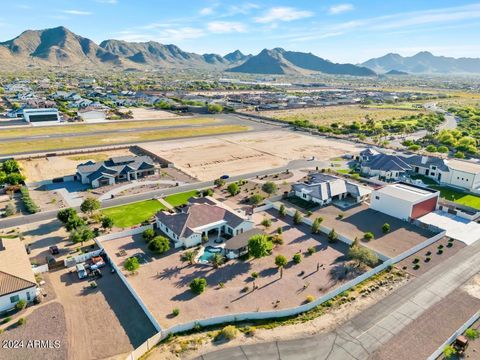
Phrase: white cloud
{"type": "Point", "coordinates": [242, 9]}
{"type": "Point", "coordinates": [207, 11]}
{"type": "Point", "coordinates": [77, 12]}
{"type": "Point", "coordinates": [340, 8]}
{"type": "Point", "coordinates": [111, 2]}
{"type": "Point", "coordinates": [226, 27]}
{"type": "Point", "coordinates": [283, 14]}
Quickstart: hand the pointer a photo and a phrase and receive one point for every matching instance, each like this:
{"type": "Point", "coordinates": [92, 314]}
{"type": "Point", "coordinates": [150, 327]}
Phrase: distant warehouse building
{"type": "Point", "coordinates": [37, 116]}
{"type": "Point", "coordinates": [404, 201]}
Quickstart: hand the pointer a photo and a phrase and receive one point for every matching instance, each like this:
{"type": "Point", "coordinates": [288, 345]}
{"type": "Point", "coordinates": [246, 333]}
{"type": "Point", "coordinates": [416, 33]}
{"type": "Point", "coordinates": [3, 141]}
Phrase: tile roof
{"type": "Point", "coordinates": [10, 284]}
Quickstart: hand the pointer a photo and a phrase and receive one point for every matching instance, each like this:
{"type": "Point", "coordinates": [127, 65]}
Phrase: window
{"type": "Point", "coordinates": [377, 197]}
{"type": "Point", "coordinates": [28, 295]}
{"type": "Point", "coordinates": [14, 299]}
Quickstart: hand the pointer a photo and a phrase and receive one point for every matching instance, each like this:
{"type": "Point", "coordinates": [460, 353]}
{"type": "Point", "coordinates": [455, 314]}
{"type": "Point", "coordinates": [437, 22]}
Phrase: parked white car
{"type": "Point", "coordinates": [81, 271]}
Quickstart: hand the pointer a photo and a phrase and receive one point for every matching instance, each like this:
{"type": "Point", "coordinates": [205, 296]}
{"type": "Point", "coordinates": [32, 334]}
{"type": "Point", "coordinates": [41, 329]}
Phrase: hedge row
{"type": "Point", "coordinates": [31, 207]}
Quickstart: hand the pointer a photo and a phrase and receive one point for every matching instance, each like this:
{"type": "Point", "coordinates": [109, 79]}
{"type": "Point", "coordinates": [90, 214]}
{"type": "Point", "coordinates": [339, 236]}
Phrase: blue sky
{"type": "Point", "coordinates": [346, 31]}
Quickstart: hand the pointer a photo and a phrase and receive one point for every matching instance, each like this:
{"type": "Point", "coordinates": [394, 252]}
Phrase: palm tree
{"type": "Point", "coordinates": [188, 256]}
{"type": "Point", "coordinates": [217, 260]}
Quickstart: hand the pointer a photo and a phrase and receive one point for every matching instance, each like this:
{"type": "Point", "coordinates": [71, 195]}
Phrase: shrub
{"type": "Point", "coordinates": [198, 285]}
{"type": "Point", "coordinates": [256, 199]}
{"type": "Point", "coordinates": [416, 267]}
{"type": "Point", "coordinates": [148, 235]}
{"type": "Point", "coordinates": [279, 230]}
{"type": "Point", "coordinates": [282, 210]}
{"type": "Point", "coordinates": [175, 311]}
{"type": "Point", "coordinates": [449, 352]}
{"type": "Point", "coordinates": [332, 236]}
{"type": "Point", "coordinates": [280, 261]}
{"type": "Point", "coordinates": [368, 236]}
{"type": "Point", "coordinates": [233, 189]}
{"type": "Point", "coordinates": [219, 182]}
{"type": "Point", "coordinates": [131, 264]}
{"type": "Point", "coordinates": [427, 259]}
{"type": "Point", "coordinates": [416, 260]}
{"type": "Point", "coordinates": [363, 255]}
{"type": "Point", "coordinates": [472, 333]}
{"type": "Point", "coordinates": [311, 250]}
{"type": "Point", "coordinates": [310, 298]}
{"type": "Point", "coordinates": [276, 239]}
{"type": "Point", "coordinates": [270, 187]}
{"type": "Point", "coordinates": [385, 228]}
{"type": "Point", "coordinates": [309, 213]}
{"type": "Point", "coordinates": [159, 245]}
{"type": "Point", "coordinates": [107, 222]}
{"type": "Point", "coordinates": [340, 216]}
{"type": "Point", "coordinates": [30, 206]}
{"type": "Point", "coordinates": [297, 258]}
{"type": "Point", "coordinates": [249, 330]}
{"type": "Point", "coordinates": [20, 305]}
{"type": "Point", "coordinates": [229, 332]}
{"type": "Point", "coordinates": [21, 321]}
{"type": "Point", "coordinates": [259, 246]}
{"type": "Point", "coordinates": [266, 222]}
{"type": "Point", "coordinates": [6, 320]}
{"type": "Point", "coordinates": [297, 217]}
{"type": "Point", "coordinates": [10, 210]}
{"type": "Point", "coordinates": [316, 225]}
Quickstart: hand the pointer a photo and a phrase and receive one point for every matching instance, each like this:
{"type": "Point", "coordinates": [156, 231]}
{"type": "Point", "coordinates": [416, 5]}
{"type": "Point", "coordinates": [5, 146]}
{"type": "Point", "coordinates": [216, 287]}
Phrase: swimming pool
{"type": "Point", "coordinates": [209, 253]}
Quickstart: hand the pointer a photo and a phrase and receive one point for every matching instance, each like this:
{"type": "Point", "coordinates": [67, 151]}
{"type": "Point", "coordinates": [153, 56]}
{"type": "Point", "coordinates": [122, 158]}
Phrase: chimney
{"type": "Point", "coordinates": [424, 159]}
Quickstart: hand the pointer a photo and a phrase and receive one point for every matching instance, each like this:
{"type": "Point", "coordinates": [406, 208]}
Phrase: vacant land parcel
{"type": "Point", "coordinates": [340, 114]}
{"type": "Point", "coordinates": [238, 154]}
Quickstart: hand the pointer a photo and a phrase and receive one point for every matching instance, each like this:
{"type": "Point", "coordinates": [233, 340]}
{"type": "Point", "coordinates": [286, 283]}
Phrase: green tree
{"type": "Point", "coordinates": [188, 256]}
{"type": "Point", "coordinates": [362, 255]}
{"type": "Point", "coordinates": [386, 228]}
{"type": "Point", "coordinates": [332, 236]}
{"type": "Point", "coordinates": [297, 217]}
{"type": "Point", "coordinates": [316, 225]}
{"type": "Point", "coordinates": [297, 258]}
{"type": "Point", "coordinates": [259, 246]}
{"type": "Point", "coordinates": [81, 235]}
{"type": "Point", "coordinates": [107, 222]}
{"type": "Point", "coordinates": [14, 178]}
{"type": "Point", "coordinates": [90, 205]}
{"type": "Point", "coordinates": [368, 236]}
{"type": "Point", "coordinates": [131, 264]}
{"type": "Point", "coordinates": [219, 182]}
{"type": "Point", "coordinates": [270, 187]}
{"type": "Point", "coordinates": [256, 199]}
{"type": "Point", "coordinates": [233, 189]}
{"type": "Point", "coordinates": [459, 155]}
{"type": "Point", "coordinates": [65, 214]}
{"type": "Point", "coordinates": [449, 352]}
{"type": "Point", "coordinates": [11, 166]}
{"type": "Point", "coordinates": [148, 235]}
{"type": "Point", "coordinates": [198, 285]}
{"type": "Point", "coordinates": [217, 260]}
{"type": "Point", "coordinates": [74, 223]}
{"type": "Point", "coordinates": [431, 148]}
{"type": "Point", "coordinates": [281, 261]}
{"type": "Point", "coordinates": [215, 108]}
{"type": "Point", "coordinates": [442, 149]}
{"type": "Point", "coordinates": [159, 245]}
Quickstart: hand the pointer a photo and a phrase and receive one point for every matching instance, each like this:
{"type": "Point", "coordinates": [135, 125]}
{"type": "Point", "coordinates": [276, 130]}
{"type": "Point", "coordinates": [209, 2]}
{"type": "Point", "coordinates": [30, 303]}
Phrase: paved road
{"type": "Point", "coordinates": [360, 337]}
{"type": "Point", "coordinates": [47, 215]}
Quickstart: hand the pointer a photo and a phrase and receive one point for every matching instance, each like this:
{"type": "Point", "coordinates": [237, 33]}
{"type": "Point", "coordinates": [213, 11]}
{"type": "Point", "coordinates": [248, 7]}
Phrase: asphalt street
{"type": "Point", "coordinates": [47, 215]}
{"type": "Point", "coordinates": [360, 337]}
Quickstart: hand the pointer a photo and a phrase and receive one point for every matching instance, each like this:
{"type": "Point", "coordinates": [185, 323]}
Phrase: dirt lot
{"type": "Point", "coordinates": [49, 168]}
{"type": "Point", "coordinates": [150, 114]}
{"type": "Point", "coordinates": [169, 277]}
{"type": "Point", "coordinates": [243, 153]}
{"type": "Point", "coordinates": [102, 322]}
{"type": "Point", "coordinates": [44, 323]}
{"type": "Point", "coordinates": [360, 219]}
{"type": "Point", "coordinates": [339, 114]}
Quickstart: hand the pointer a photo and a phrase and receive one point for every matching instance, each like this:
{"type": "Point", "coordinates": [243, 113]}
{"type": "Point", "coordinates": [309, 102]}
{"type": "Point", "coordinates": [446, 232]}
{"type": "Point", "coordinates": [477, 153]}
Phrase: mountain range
{"type": "Point", "coordinates": [423, 63]}
{"type": "Point", "coordinates": [59, 47]}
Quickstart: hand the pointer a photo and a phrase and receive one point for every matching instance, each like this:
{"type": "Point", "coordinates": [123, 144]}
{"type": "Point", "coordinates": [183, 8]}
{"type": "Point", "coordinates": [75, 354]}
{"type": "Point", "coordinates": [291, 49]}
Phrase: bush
{"type": "Point", "coordinates": [229, 332]}
{"type": "Point", "coordinates": [297, 217]}
{"type": "Point", "coordinates": [281, 260]}
{"type": "Point", "coordinates": [332, 236]}
{"type": "Point", "coordinates": [259, 246]}
{"type": "Point", "coordinates": [131, 264]}
{"type": "Point", "coordinates": [148, 235]}
{"type": "Point", "coordinates": [363, 255]}
{"type": "Point", "coordinates": [159, 245]}
{"type": "Point", "coordinates": [311, 250]}
{"type": "Point", "coordinates": [10, 210]}
{"type": "Point", "coordinates": [175, 311]}
{"type": "Point", "coordinates": [20, 305]}
{"type": "Point", "coordinates": [256, 199]}
{"type": "Point", "coordinates": [30, 206]}
{"type": "Point", "coordinates": [269, 187]}
{"type": "Point", "coordinates": [233, 189]}
{"type": "Point", "coordinates": [21, 321]}
{"type": "Point", "coordinates": [198, 285]}
{"type": "Point", "coordinates": [386, 228]}
{"type": "Point", "coordinates": [276, 239]}
{"type": "Point", "coordinates": [449, 352]}
{"type": "Point", "coordinates": [310, 298]}
{"type": "Point", "coordinates": [249, 330]}
{"type": "Point", "coordinates": [282, 210]}
{"type": "Point", "coordinates": [472, 334]}
{"type": "Point", "coordinates": [368, 236]}
{"type": "Point", "coordinates": [219, 182]}
{"type": "Point", "coordinates": [316, 225]}
{"type": "Point", "coordinates": [6, 320]}
{"type": "Point", "coordinates": [266, 222]}
{"type": "Point", "coordinates": [297, 258]}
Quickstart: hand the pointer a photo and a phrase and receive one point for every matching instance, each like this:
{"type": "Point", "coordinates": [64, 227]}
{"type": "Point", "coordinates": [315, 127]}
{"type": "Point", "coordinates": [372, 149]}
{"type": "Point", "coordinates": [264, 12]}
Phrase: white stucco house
{"type": "Point", "coordinates": [322, 189]}
{"type": "Point", "coordinates": [17, 281]}
{"type": "Point", "coordinates": [202, 217]}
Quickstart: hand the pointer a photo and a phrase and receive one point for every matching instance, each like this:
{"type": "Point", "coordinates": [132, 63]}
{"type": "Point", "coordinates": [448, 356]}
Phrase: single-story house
{"type": "Point", "coordinates": [385, 166]}
{"type": "Point", "coordinates": [199, 219]}
{"type": "Point", "coordinates": [17, 281]}
{"type": "Point", "coordinates": [115, 170]}
{"type": "Point", "coordinates": [323, 188]}
{"type": "Point", "coordinates": [238, 245]}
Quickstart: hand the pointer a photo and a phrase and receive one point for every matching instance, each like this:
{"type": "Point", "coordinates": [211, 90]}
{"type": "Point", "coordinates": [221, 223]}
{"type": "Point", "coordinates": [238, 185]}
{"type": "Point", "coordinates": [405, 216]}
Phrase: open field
{"type": "Point", "coordinates": [40, 169]}
{"type": "Point", "coordinates": [458, 196]}
{"type": "Point", "coordinates": [237, 154]}
{"type": "Point", "coordinates": [47, 144]}
{"type": "Point", "coordinates": [109, 126]}
{"type": "Point", "coordinates": [150, 114]}
{"type": "Point", "coordinates": [163, 281]}
{"type": "Point", "coordinates": [340, 114]}
{"type": "Point", "coordinates": [133, 214]}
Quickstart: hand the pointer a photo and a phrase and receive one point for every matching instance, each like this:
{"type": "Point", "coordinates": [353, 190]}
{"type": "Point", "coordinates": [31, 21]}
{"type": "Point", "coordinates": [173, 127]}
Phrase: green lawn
{"type": "Point", "coordinates": [133, 214]}
{"type": "Point", "coordinates": [458, 196]}
{"type": "Point", "coordinates": [181, 198]}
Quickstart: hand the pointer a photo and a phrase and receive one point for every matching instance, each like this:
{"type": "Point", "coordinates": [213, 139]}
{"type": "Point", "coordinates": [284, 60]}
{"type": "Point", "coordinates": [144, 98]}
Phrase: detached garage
{"type": "Point", "coordinates": [404, 201]}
